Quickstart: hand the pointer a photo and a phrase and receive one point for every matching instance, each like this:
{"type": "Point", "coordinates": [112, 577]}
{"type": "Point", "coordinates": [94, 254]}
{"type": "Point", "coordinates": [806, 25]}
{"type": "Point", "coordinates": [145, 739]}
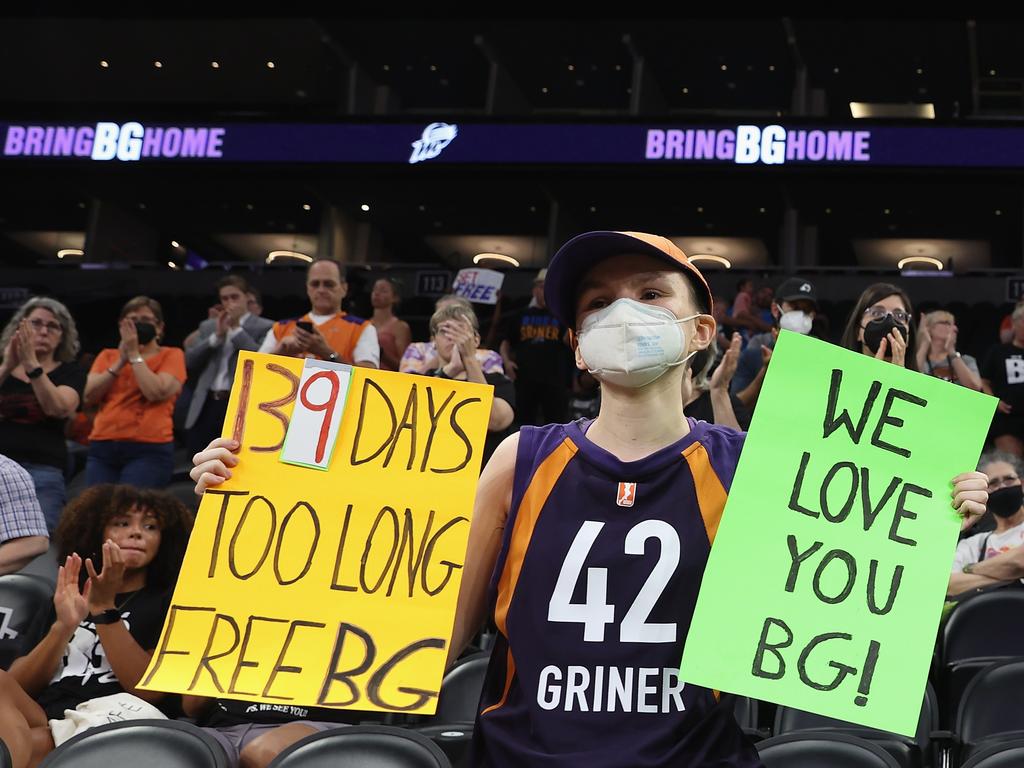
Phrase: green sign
{"type": "Point", "coordinates": [826, 579]}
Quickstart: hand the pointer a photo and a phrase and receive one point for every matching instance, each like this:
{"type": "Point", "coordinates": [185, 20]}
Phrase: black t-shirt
{"type": "Point", "coordinates": [27, 435]}
{"type": "Point", "coordinates": [1004, 369]}
{"type": "Point", "coordinates": [536, 338]}
{"type": "Point", "coordinates": [702, 410]}
{"type": "Point", "coordinates": [84, 672]}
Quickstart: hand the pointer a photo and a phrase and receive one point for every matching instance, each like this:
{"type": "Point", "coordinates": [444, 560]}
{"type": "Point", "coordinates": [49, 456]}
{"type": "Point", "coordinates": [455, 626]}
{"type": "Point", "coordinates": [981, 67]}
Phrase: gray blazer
{"type": "Point", "coordinates": [202, 359]}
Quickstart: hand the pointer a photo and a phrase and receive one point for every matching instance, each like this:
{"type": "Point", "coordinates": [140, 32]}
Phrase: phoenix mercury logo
{"type": "Point", "coordinates": [436, 137]}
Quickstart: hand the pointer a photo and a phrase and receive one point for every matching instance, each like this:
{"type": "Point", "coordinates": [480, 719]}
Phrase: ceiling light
{"type": "Point", "coordinates": [924, 110]}
{"type": "Point", "coordinates": [275, 255]}
{"type": "Point", "coordinates": [364, 208]}
{"type": "Point", "coordinates": [771, 67]}
{"type": "Point", "coordinates": [158, 64]}
{"type": "Point", "coordinates": [70, 252]}
{"type": "Point", "coordinates": [175, 244]}
{"type": "Point", "coordinates": [306, 207]}
{"type": "Point", "coordinates": [172, 265]}
{"type": "Point", "coordinates": [724, 67]}
{"type": "Point", "coordinates": [495, 257]}
{"type": "Point", "coordinates": [919, 260]}
{"type": "Point", "coordinates": [104, 63]}
{"type": "Point", "coordinates": [215, 64]}
{"type": "Point", "coordinates": [721, 260]}
{"type": "Point", "coordinates": [270, 65]}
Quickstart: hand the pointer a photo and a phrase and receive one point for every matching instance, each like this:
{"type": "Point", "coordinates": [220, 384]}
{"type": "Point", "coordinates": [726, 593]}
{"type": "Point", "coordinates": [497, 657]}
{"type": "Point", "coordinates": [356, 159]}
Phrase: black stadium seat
{"type": "Point", "coordinates": [823, 749]}
{"type": "Point", "coordinates": [1004, 754]}
{"type": "Point", "coordinates": [363, 746]}
{"type": "Point", "coordinates": [5, 756]}
{"type": "Point", "coordinates": [451, 728]}
{"type": "Point", "coordinates": [24, 607]}
{"type": "Point", "coordinates": [981, 630]}
{"type": "Point", "coordinates": [909, 752]}
{"type": "Point", "coordinates": [149, 743]}
{"type": "Point", "coordinates": [992, 707]}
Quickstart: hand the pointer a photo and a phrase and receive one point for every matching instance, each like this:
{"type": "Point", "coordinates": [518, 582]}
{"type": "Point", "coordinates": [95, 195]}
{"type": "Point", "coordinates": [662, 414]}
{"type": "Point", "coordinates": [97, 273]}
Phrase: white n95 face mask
{"type": "Point", "coordinates": [631, 344]}
{"type": "Point", "coordinates": [796, 320]}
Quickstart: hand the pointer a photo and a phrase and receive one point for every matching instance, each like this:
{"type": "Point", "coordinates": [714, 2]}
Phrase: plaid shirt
{"type": "Point", "coordinates": [20, 514]}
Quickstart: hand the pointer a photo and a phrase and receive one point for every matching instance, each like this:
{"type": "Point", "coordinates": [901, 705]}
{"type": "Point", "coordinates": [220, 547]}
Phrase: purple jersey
{"type": "Point", "coordinates": [593, 593]}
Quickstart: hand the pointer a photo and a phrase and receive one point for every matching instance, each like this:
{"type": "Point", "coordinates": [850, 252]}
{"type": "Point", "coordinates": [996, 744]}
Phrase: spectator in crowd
{"type": "Point", "coordinates": [537, 358]}
{"type": "Point", "coordinates": [211, 362]}
{"type": "Point", "coordinates": [936, 351]}
{"type": "Point", "coordinates": [254, 301]}
{"type": "Point", "coordinates": [707, 398]}
{"type": "Point", "coordinates": [393, 334]}
{"type": "Point", "coordinates": [881, 325]}
{"type": "Point", "coordinates": [744, 314]}
{"type": "Point", "coordinates": [421, 356]}
{"type": "Point", "coordinates": [106, 617]}
{"type": "Point", "coordinates": [135, 385]}
{"type": "Point", "coordinates": [1002, 375]}
{"type": "Point", "coordinates": [795, 310]}
{"type": "Point", "coordinates": [456, 334]}
{"type": "Point", "coordinates": [326, 332]}
{"type": "Point", "coordinates": [723, 322]}
{"type": "Point", "coordinates": [23, 534]}
{"type": "Point", "coordinates": [40, 390]}
{"type": "Point", "coordinates": [764, 298]}
{"type": "Point", "coordinates": [998, 549]}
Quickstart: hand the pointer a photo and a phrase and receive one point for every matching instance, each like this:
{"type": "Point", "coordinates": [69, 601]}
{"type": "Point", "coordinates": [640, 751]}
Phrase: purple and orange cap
{"type": "Point", "coordinates": [574, 259]}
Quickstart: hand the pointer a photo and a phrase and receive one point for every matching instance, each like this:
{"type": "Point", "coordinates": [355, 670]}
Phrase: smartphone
{"type": "Point", "coordinates": [305, 325]}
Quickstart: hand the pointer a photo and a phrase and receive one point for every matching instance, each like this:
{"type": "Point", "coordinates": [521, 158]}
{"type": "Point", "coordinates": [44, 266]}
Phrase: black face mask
{"type": "Point", "coordinates": [146, 332]}
{"type": "Point", "coordinates": [877, 330]}
{"type": "Point", "coordinates": [1006, 501]}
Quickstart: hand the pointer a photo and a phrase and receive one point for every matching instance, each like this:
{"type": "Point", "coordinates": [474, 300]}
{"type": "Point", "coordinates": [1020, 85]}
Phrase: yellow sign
{"type": "Point", "coordinates": [329, 588]}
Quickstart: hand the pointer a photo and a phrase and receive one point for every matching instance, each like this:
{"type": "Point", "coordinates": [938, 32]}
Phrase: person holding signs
{"type": "Point", "coordinates": [592, 615]}
{"type": "Point", "coordinates": [106, 617]}
{"type": "Point", "coordinates": [325, 332]}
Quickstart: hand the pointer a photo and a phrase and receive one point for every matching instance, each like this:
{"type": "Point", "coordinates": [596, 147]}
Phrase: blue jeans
{"type": "Point", "coordinates": [50, 490]}
{"type": "Point", "coordinates": [144, 465]}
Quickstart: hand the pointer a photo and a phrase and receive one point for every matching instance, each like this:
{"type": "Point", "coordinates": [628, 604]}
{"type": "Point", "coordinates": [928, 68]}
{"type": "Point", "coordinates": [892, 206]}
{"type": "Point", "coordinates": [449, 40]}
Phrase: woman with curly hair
{"type": "Point", "coordinates": [108, 610]}
{"type": "Point", "coordinates": [40, 389]}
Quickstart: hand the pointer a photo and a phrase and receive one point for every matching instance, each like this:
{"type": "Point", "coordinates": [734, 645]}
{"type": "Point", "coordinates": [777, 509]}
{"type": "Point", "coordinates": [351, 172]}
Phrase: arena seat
{"type": "Point", "coordinates": [152, 743]}
{"type": "Point", "coordinates": [816, 749]}
{"type": "Point", "coordinates": [1001, 754]}
{"type": "Point", "coordinates": [992, 708]}
{"type": "Point", "coordinates": [451, 727]}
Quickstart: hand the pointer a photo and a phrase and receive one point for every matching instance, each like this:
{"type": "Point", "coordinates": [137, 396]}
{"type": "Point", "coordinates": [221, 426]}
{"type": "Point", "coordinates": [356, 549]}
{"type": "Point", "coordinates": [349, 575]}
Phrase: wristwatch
{"type": "Point", "coordinates": [968, 568]}
{"type": "Point", "coordinates": [333, 357]}
{"type": "Point", "coordinates": [35, 373]}
{"type": "Point", "coordinates": [109, 616]}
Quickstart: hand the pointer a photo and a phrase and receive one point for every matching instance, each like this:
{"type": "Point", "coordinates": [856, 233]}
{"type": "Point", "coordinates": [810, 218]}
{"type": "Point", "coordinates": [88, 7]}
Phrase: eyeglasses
{"type": "Point", "coordinates": [995, 483]}
{"type": "Point", "coordinates": [49, 325]}
{"type": "Point", "coordinates": [880, 313]}
{"type": "Point", "coordinates": [323, 283]}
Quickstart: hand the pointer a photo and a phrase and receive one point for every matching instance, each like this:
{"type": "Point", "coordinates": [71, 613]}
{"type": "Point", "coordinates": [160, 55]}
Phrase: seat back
{"type": "Point", "coordinates": [152, 743]}
{"type": "Point", "coordinates": [363, 746]}
{"type": "Point", "coordinates": [993, 702]}
{"type": "Point", "coordinates": [1008, 754]}
{"type": "Point", "coordinates": [990, 624]}
{"type": "Point", "coordinates": [459, 697]}
{"type": "Point", "coordinates": [24, 607]}
{"type": "Point", "coordinates": [815, 749]}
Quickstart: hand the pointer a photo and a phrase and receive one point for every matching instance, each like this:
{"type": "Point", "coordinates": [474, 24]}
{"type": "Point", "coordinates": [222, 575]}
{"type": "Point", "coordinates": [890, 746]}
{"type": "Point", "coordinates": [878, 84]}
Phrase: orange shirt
{"type": "Point", "coordinates": [124, 413]}
{"type": "Point", "coordinates": [342, 333]}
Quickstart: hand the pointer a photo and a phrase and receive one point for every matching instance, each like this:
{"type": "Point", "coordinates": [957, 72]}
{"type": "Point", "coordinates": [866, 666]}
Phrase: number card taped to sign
{"type": "Point", "coordinates": [313, 431]}
{"type": "Point", "coordinates": [337, 588]}
{"type": "Point", "coordinates": [827, 576]}
{"type": "Point", "coordinates": [479, 285]}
